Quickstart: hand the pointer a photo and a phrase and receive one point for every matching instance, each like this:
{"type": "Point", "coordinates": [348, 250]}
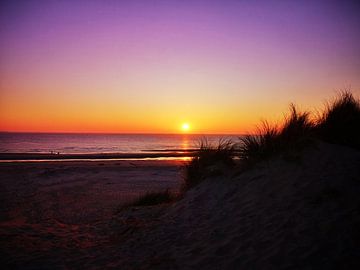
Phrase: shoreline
{"type": "Point", "coordinates": [9, 157]}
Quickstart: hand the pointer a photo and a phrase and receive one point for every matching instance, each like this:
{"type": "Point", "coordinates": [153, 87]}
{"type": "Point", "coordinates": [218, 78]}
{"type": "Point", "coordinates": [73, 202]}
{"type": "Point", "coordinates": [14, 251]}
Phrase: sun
{"type": "Point", "coordinates": [185, 127]}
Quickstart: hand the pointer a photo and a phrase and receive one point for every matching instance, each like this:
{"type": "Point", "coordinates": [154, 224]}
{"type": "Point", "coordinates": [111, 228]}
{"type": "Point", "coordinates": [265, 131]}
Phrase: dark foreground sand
{"type": "Point", "coordinates": [51, 212]}
{"type": "Point", "coordinates": [294, 212]}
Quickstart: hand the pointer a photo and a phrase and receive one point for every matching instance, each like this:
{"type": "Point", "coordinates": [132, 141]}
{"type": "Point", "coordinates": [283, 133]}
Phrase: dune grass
{"type": "Point", "coordinates": [207, 161]}
{"type": "Point", "coordinates": [271, 140]}
{"type": "Point", "coordinates": [261, 145]}
{"type": "Point", "coordinates": [339, 123]}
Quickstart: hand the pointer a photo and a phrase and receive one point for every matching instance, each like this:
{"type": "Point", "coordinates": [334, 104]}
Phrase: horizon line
{"type": "Point", "coordinates": [118, 133]}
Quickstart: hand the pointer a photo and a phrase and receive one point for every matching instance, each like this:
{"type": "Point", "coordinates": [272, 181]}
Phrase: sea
{"type": "Point", "coordinates": [76, 143]}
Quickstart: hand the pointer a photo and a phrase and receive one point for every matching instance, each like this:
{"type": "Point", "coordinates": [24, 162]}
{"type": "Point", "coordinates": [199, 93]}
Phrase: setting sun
{"type": "Point", "coordinates": [185, 127]}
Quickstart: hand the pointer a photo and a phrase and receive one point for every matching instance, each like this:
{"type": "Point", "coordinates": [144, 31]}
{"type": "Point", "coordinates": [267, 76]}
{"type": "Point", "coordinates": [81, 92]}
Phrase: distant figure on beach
{"type": "Point", "coordinates": [58, 153]}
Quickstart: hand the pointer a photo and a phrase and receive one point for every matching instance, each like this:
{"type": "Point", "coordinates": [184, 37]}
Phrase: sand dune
{"type": "Point", "coordinates": [301, 213]}
{"type": "Point", "coordinates": [292, 212]}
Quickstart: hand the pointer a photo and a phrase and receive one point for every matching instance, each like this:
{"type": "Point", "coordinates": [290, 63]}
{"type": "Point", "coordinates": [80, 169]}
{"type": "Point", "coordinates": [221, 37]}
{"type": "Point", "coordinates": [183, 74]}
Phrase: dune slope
{"type": "Point", "coordinates": [298, 212]}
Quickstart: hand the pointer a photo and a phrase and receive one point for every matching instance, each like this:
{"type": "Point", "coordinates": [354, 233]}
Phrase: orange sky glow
{"type": "Point", "coordinates": [142, 68]}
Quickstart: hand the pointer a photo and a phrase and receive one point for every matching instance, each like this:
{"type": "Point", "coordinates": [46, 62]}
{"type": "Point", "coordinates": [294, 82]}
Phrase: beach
{"type": "Point", "coordinates": [291, 212]}
{"type": "Point", "coordinates": [80, 191]}
{"type": "Point", "coordinates": [50, 209]}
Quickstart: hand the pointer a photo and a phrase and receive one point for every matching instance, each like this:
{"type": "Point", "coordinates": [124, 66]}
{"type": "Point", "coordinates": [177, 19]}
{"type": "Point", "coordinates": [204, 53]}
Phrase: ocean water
{"type": "Point", "coordinates": [65, 143]}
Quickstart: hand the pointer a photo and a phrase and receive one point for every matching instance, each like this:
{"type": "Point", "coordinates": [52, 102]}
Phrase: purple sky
{"type": "Point", "coordinates": [221, 65]}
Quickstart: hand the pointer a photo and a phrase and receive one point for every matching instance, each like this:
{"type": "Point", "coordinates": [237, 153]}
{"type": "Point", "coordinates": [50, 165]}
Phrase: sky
{"type": "Point", "coordinates": [151, 66]}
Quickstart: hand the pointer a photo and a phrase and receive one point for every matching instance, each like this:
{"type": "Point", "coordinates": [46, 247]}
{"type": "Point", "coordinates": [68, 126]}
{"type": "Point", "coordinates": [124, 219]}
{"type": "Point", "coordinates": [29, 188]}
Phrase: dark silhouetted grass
{"type": "Point", "coordinates": [340, 121]}
{"type": "Point", "coordinates": [256, 147]}
{"type": "Point", "coordinates": [208, 160]}
{"type": "Point", "coordinates": [297, 126]}
{"type": "Point", "coordinates": [272, 140]}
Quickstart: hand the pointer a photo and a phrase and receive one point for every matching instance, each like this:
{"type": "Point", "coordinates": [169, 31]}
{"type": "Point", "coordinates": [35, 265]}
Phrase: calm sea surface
{"type": "Point", "coordinates": [100, 143]}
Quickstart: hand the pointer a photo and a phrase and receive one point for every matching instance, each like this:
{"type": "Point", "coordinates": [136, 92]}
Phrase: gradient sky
{"type": "Point", "coordinates": [148, 66]}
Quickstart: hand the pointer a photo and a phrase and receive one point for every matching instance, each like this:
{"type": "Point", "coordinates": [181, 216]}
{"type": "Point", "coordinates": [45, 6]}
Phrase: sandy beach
{"type": "Point", "coordinates": [298, 212]}
{"type": "Point", "coordinates": [52, 210]}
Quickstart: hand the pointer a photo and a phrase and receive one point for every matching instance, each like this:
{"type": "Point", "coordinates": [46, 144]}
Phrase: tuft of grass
{"type": "Point", "coordinates": [340, 121]}
{"type": "Point", "coordinates": [208, 161]}
{"type": "Point", "coordinates": [153, 198]}
{"type": "Point", "coordinates": [271, 140]}
{"type": "Point", "coordinates": [256, 147]}
{"type": "Point", "coordinates": [298, 125]}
